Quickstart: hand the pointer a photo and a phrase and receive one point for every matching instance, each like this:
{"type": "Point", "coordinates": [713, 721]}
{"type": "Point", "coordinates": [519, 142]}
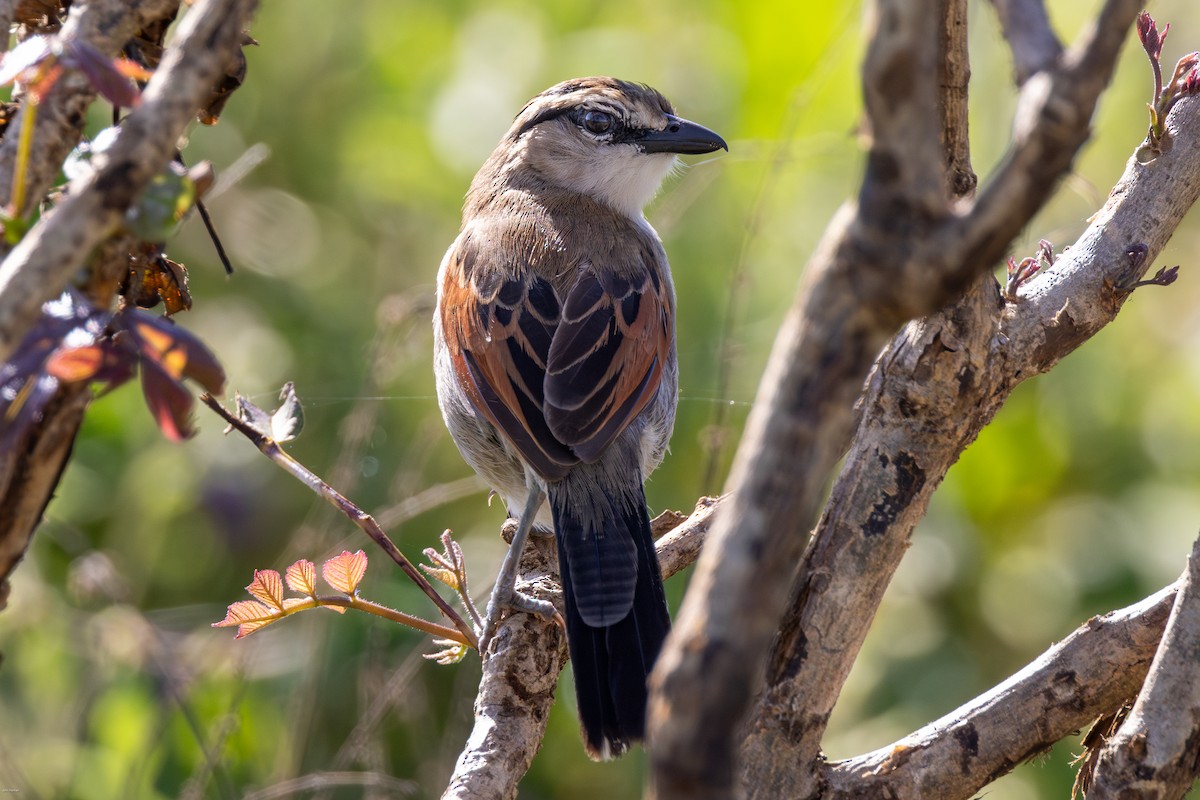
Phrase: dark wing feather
{"type": "Point", "coordinates": [499, 334]}
{"type": "Point", "coordinates": [561, 380]}
{"type": "Point", "coordinates": [606, 359]}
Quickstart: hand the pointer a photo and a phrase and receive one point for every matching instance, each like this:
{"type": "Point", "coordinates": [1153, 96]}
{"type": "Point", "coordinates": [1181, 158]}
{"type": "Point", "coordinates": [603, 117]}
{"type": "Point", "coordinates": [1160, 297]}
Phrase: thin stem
{"type": "Point", "coordinates": [371, 607]}
{"type": "Point", "coordinates": [363, 520]}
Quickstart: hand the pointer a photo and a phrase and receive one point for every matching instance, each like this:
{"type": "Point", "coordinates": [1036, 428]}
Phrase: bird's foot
{"type": "Point", "coordinates": [509, 599]}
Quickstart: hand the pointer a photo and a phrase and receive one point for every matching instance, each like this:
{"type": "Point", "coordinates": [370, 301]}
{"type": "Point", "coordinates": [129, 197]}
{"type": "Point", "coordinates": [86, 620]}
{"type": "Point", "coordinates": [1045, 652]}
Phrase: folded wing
{"type": "Point", "coordinates": [561, 376]}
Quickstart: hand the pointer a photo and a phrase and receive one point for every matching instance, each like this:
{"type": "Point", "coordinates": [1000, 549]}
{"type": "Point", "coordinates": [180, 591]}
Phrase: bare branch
{"type": "Point", "coordinates": [106, 25]}
{"type": "Point", "coordinates": [954, 75]}
{"type": "Point", "coordinates": [1052, 122]}
{"type": "Point", "coordinates": [1092, 671]}
{"type": "Point", "coordinates": [314, 781]}
{"type": "Point", "coordinates": [936, 386]}
{"type": "Point", "coordinates": [1034, 45]}
{"type": "Point", "coordinates": [914, 424]}
{"type": "Point", "coordinates": [679, 548]}
{"type": "Point", "coordinates": [516, 690]}
{"type": "Point", "coordinates": [521, 673]}
{"type": "Point", "coordinates": [1156, 751]}
{"type": "Point", "coordinates": [42, 263]}
{"type": "Point", "coordinates": [893, 257]}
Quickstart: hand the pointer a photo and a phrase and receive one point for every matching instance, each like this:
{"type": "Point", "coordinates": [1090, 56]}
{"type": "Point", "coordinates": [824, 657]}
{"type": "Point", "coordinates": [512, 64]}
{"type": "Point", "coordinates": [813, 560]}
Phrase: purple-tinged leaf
{"type": "Point", "coordinates": [102, 73]}
{"type": "Point", "coordinates": [169, 402]}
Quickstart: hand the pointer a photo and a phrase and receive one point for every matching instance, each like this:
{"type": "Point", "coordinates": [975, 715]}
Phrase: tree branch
{"type": "Point", "coordinates": [1156, 751]}
{"type": "Point", "coordinates": [935, 387]}
{"type": "Point", "coordinates": [521, 671]}
{"type": "Point", "coordinates": [954, 76]}
{"type": "Point", "coordinates": [1034, 45]}
{"type": "Point", "coordinates": [42, 264]}
{"type": "Point", "coordinates": [874, 269]}
{"type": "Point", "coordinates": [67, 238]}
{"type": "Point", "coordinates": [106, 25]}
{"type": "Point", "coordinates": [1092, 671]}
{"type": "Point", "coordinates": [1052, 122]}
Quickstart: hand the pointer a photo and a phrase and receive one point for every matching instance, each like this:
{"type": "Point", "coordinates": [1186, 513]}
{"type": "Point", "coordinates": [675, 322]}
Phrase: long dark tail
{"type": "Point", "coordinates": [617, 615]}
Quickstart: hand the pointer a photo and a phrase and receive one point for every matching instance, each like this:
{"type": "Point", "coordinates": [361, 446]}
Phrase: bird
{"type": "Point", "coordinates": [556, 369]}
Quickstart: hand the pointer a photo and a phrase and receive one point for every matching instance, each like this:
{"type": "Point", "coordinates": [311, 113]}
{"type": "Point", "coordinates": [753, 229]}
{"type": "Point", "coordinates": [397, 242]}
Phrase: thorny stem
{"type": "Point", "coordinates": [363, 520]}
{"type": "Point", "coordinates": [460, 569]}
{"type": "Point", "coordinates": [371, 607]}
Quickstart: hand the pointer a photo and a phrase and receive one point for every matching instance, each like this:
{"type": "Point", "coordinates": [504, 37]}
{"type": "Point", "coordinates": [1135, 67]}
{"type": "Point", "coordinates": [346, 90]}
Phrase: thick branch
{"type": "Point", "coordinates": [1156, 752]}
{"type": "Point", "coordinates": [67, 238]}
{"type": "Point", "coordinates": [528, 652]}
{"type": "Point", "coordinates": [954, 76]}
{"type": "Point", "coordinates": [516, 689]}
{"type": "Point", "coordinates": [874, 268]}
{"type": "Point", "coordinates": [1033, 43]}
{"type": "Point", "coordinates": [938, 384]}
{"type": "Point", "coordinates": [1092, 671]}
{"type": "Point", "coordinates": [42, 264]}
{"type": "Point", "coordinates": [1052, 122]}
{"type": "Point", "coordinates": [679, 547]}
{"type": "Point", "coordinates": [106, 25]}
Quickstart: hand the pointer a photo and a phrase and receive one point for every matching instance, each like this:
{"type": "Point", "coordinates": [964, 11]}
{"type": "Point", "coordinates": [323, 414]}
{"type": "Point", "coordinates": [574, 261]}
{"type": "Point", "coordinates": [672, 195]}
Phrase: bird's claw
{"type": "Point", "coordinates": [513, 600]}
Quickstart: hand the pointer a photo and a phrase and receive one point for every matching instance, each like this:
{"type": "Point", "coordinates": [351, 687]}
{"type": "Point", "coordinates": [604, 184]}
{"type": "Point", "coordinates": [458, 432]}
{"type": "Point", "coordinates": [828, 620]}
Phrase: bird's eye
{"type": "Point", "coordinates": [598, 121]}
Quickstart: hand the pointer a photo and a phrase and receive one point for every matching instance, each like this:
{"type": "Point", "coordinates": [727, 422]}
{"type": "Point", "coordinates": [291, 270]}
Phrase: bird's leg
{"type": "Point", "coordinates": [505, 594]}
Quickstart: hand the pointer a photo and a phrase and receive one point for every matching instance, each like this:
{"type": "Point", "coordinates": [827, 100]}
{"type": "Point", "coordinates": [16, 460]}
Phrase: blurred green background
{"type": "Point", "coordinates": [364, 123]}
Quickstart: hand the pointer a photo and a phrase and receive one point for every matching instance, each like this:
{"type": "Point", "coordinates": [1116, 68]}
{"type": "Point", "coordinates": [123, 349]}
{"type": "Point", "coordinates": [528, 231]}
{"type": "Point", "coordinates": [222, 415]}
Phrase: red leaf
{"type": "Point", "coordinates": [180, 353]}
{"type": "Point", "coordinates": [169, 402]}
{"type": "Point", "coordinates": [345, 571]}
{"type": "Point", "coordinates": [76, 364]}
{"type": "Point", "coordinates": [267, 586]}
{"type": "Point", "coordinates": [249, 616]}
{"type": "Point", "coordinates": [97, 362]}
{"type": "Point", "coordinates": [302, 577]}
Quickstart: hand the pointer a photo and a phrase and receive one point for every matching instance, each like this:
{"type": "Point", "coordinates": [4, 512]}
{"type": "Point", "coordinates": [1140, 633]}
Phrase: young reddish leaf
{"type": "Point", "coordinates": [169, 402]}
{"type": "Point", "coordinates": [345, 571]}
{"type": "Point", "coordinates": [249, 616]}
{"type": "Point", "coordinates": [180, 353]}
{"type": "Point", "coordinates": [267, 586]}
{"type": "Point", "coordinates": [442, 574]}
{"type": "Point", "coordinates": [302, 577]}
{"type": "Point", "coordinates": [75, 364]}
{"type": "Point", "coordinates": [103, 362]}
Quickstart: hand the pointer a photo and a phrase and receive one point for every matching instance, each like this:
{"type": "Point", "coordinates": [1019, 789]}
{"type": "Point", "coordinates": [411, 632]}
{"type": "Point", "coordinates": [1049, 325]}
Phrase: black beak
{"type": "Point", "coordinates": [681, 136]}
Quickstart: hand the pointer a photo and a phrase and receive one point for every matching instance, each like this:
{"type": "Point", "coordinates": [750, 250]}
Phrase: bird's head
{"type": "Point", "coordinates": [612, 140]}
